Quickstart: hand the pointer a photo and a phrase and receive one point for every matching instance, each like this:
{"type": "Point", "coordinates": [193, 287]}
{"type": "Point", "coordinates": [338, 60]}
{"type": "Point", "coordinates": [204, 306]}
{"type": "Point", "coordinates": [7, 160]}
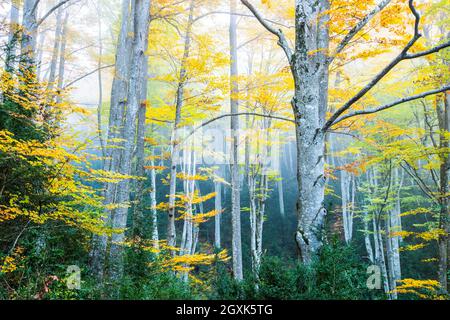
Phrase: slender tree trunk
{"type": "Point", "coordinates": [380, 257]}
{"type": "Point", "coordinates": [13, 35]}
{"type": "Point", "coordinates": [56, 48]}
{"type": "Point", "coordinates": [40, 52]}
{"type": "Point", "coordinates": [235, 183]}
{"type": "Point", "coordinates": [189, 239]}
{"type": "Point", "coordinates": [62, 56]}
{"type": "Point", "coordinates": [218, 208]}
{"type": "Point", "coordinates": [346, 179]}
{"type": "Point", "coordinates": [251, 182]}
{"type": "Point", "coordinates": [29, 34]}
{"type": "Point", "coordinates": [100, 86]}
{"type": "Point", "coordinates": [390, 260]}
{"type": "Point", "coordinates": [174, 143]}
{"type": "Point", "coordinates": [13, 19]}
{"type": "Point", "coordinates": [258, 186]}
{"type": "Point", "coordinates": [280, 188]}
{"type": "Point", "coordinates": [379, 253]}
{"type": "Point", "coordinates": [393, 223]}
{"type": "Point", "coordinates": [155, 233]}
{"type": "Point", "coordinates": [367, 240]}
{"type": "Point", "coordinates": [444, 216]}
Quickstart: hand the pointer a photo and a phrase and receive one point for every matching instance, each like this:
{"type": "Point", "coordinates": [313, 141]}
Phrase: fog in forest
{"type": "Point", "coordinates": [224, 150]}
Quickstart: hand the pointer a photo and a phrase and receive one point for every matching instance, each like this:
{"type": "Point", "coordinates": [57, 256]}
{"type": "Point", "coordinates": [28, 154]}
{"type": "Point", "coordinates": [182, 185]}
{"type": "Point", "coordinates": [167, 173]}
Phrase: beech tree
{"type": "Point", "coordinates": [309, 61]}
{"type": "Point", "coordinates": [301, 144]}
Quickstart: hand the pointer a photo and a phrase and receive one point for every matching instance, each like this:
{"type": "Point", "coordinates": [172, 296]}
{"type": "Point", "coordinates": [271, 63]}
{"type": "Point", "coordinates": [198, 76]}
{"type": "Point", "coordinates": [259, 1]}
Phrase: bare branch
{"type": "Point", "coordinates": [49, 12]}
{"type": "Point", "coordinates": [248, 41]}
{"type": "Point", "coordinates": [160, 120]}
{"type": "Point", "coordinates": [427, 52]}
{"type": "Point", "coordinates": [235, 115]}
{"type": "Point", "coordinates": [402, 56]}
{"type": "Point", "coordinates": [35, 6]}
{"type": "Point", "coordinates": [282, 41]}
{"type": "Point", "coordinates": [87, 75]}
{"type": "Point", "coordinates": [359, 26]}
{"type": "Point", "coordinates": [240, 15]}
{"type": "Point", "coordinates": [392, 104]}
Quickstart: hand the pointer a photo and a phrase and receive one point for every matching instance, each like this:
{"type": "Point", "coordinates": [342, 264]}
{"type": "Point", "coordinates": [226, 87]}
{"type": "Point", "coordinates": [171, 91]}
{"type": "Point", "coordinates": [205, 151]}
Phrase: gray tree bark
{"type": "Point", "coordinates": [174, 143]}
{"type": "Point", "coordinates": [119, 94]}
{"type": "Point", "coordinates": [56, 48]}
{"type": "Point", "coordinates": [218, 208]}
{"type": "Point", "coordinates": [393, 225]}
{"type": "Point", "coordinates": [13, 35]}
{"type": "Point", "coordinates": [29, 33]}
{"type": "Point", "coordinates": [155, 233]}
{"type": "Point", "coordinates": [258, 185]}
{"type": "Point", "coordinates": [30, 25]}
{"type": "Point", "coordinates": [444, 214]}
{"type": "Point", "coordinates": [235, 181]}
{"type": "Point", "coordinates": [379, 255]}
{"type": "Point", "coordinates": [138, 215]}
{"type": "Point", "coordinates": [40, 53]}
{"type": "Point", "coordinates": [62, 56]}
{"type": "Point", "coordinates": [310, 103]}
{"type": "Point", "coordinates": [348, 201]}
{"type": "Point", "coordinates": [135, 101]}
{"type": "Point", "coordinates": [100, 86]}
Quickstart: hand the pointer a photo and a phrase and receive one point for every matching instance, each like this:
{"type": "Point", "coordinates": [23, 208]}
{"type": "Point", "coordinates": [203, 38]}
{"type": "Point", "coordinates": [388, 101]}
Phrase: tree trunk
{"type": "Point", "coordinates": [174, 143]}
{"type": "Point", "coordinates": [258, 187]}
{"type": "Point", "coordinates": [310, 71]}
{"type": "Point", "coordinates": [235, 183]}
{"type": "Point", "coordinates": [62, 57]}
{"type": "Point", "coordinates": [40, 52]}
{"type": "Point", "coordinates": [155, 233]}
{"type": "Point", "coordinates": [280, 189]}
{"type": "Point", "coordinates": [347, 194]}
{"type": "Point", "coordinates": [393, 223]}
{"type": "Point", "coordinates": [100, 86]}
{"type": "Point", "coordinates": [367, 240]}
{"type": "Point", "coordinates": [56, 49]}
{"type": "Point", "coordinates": [190, 230]}
{"type": "Point", "coordinates": [119, 94]}
{"type": "Point", "coordinates": [29, 33]}
{"type": "Point", "coordinates": [218, 208]}
{"type": "Point", "coordinates": [12, 35]}
{"type": "Point", "coordinates": [138, 216]}
{"type": "Point", "coordinates": [380, 258]}
{"type": "Point", "coordinates": [135, 102]}
{"type": "Point", "coordinates": [444, 216]}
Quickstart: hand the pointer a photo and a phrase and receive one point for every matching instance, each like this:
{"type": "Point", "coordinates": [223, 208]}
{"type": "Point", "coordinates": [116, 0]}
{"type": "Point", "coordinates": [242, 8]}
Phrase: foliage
{"type": "Point", "coordinates": [338, 274]}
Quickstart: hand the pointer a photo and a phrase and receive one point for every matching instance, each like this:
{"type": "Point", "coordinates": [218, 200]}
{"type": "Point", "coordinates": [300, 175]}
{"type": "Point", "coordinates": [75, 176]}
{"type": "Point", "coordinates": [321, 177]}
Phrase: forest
{"type": "Point", "coordinates": [224, 149]}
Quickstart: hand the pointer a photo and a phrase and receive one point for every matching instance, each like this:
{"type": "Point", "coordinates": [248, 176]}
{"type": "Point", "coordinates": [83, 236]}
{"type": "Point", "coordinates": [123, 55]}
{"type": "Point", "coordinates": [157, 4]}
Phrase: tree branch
{"type": "Point", "coordinates": [248, 41]}
{"type": "Point", "coordinates": [235, 115]}
{"type": "Point", "coordinates": [392, 104]}
{"type": "Point", "coordinates": [427, 52]}
{"type": "Point", "coordinates": [359, 26]}
{"type": "Point", "coordinates": [402, 56]}
{"type": "Point", "coordinates": [49, 12]}
{"type": "Point", "coordinates": [282, 41]}
{"type": "Point", "coordinates": [35, 6]}
{"type": "Point", "coordinates": [87, 75]}
{"type": "Point", "coordinates": [239, 15]}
